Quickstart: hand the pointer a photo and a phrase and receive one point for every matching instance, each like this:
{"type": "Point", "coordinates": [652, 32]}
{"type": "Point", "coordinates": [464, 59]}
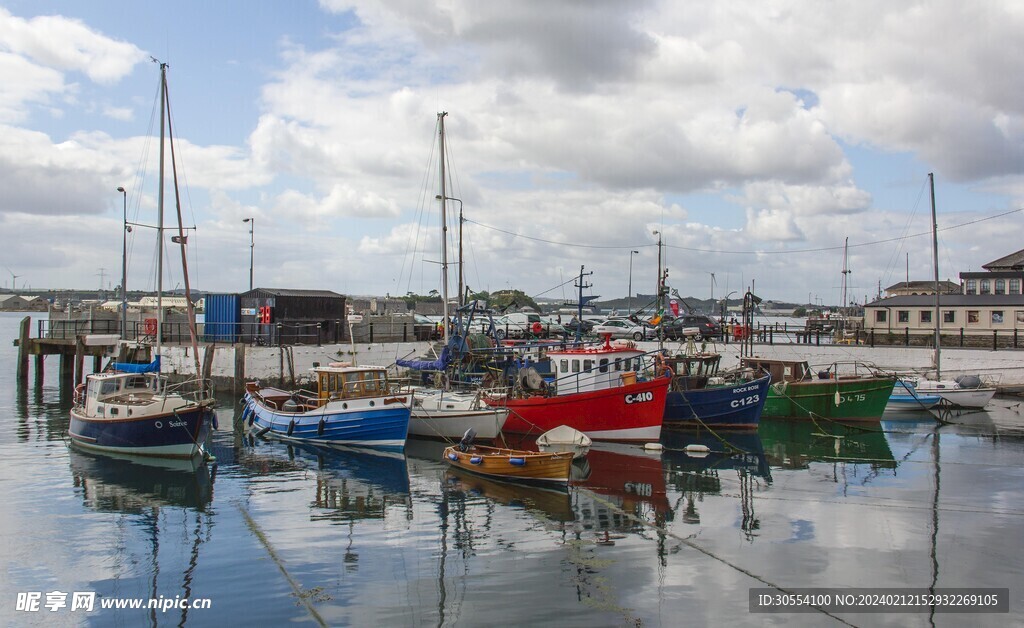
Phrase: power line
{"type": "Point", "coordinates": [722, 251]}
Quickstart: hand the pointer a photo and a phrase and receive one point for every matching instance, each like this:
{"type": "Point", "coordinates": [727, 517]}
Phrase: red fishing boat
{"type": "Point", "coordinates": [595, 390]}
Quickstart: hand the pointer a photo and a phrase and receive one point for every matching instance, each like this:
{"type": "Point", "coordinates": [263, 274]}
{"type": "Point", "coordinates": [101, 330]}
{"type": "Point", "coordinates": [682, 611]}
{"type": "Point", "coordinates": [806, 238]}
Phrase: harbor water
{"type": "Point", "coordinates": [274, 534]}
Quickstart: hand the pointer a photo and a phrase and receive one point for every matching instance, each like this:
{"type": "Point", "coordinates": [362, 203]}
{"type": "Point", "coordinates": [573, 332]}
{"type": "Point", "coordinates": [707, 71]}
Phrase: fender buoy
{"type": "Point", "coordinates": [291, 427]}
{"type": "Point", "coordinates": [537, 328]}
{"type": "Point", "coordinates": [216, 424]}
{"type": "Point", "coordinates": [320, 427]}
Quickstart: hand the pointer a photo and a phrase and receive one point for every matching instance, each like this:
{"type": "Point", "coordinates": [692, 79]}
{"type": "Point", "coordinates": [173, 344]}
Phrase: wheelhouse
{"type": "Point", "coordinates": [350, 382]}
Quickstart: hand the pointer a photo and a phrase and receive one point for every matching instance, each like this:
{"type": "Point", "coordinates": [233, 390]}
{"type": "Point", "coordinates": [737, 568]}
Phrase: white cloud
{"type": "Point", "coordinates": [68, 45]}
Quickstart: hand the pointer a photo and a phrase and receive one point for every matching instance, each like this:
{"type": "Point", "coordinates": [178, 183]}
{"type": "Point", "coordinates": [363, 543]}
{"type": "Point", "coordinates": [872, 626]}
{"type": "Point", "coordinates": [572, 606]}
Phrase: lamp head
{"type": "Point", "coordinates": [120, 189]}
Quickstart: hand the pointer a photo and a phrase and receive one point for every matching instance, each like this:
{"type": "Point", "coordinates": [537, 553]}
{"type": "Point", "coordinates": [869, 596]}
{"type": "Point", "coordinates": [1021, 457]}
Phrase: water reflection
{"type": "Point", "coordinates": [134, 485]}
{"type": "Point", "coordinates": [349, 483]}
{"type": "Point", "coordinates": [148, 492]}
{"type": "Point", "coordinates": [699, 461]}
{"type": "Point", "coordinates": [796, 444]}
{"type": "Point", "coordinates": [551, 503]}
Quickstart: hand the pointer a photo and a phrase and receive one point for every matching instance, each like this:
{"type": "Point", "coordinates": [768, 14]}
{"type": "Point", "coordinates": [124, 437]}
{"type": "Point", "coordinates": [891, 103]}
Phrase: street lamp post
{"type": "Point", "coordinates": [124, 265]}
{"type": "Point", "coordinates": [630, 295]}
{"type": "Point", "coordinates": [252, 245]}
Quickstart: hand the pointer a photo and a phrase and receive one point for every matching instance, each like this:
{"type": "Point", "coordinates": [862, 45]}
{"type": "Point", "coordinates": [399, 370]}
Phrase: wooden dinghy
{"type": "Point", "coordinates": [516, 465]}
{"type": "Point", "coordinates": [565, 439]}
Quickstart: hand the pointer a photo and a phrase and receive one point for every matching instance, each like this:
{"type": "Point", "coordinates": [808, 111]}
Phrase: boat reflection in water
{"type": "Point", "coordinates": [550, 502]}
{"type": "Point", "coordinates": [620, 488]}
{"type": "Point", "coordinates": [136, 484]}
{"type": "Point", "coordinates": [151, 492]}
{"type": "Point", "coordinates": [698, 462]}
{"type": "Point", "coordinates": [796, 444]}
{"type": "Point", "coordinates": [350, 483]}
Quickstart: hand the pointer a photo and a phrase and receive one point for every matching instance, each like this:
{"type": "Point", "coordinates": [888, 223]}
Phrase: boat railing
{"type": "Point", "coordinates": [196, 389]}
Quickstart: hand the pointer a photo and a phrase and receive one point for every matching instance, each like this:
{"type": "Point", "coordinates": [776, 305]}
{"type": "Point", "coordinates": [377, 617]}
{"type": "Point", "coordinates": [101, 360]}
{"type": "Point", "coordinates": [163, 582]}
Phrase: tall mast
{"type": "Point", "coordinates": [444, 227]}
{"type": "Point", "coordinates": [935, 264]}
{"type": "Point", "coordinates": [182, 241]}
{"type": "Point", "coordinates": [160, 215]}
{"type": "Point", "coordinates": [846, 271]}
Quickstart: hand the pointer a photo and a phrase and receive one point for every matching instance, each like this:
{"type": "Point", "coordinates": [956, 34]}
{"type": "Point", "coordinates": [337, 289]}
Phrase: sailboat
{"type": "Point", "coordinates": [443, 411]}
{"type": "Point", "coordinates": [134, 409]}
{"type": "Point", "coordinates": [966, 391]}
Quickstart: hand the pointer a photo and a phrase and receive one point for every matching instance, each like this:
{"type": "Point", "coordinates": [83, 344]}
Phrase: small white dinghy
{"type": "Point", "coordinates": [564, 438]}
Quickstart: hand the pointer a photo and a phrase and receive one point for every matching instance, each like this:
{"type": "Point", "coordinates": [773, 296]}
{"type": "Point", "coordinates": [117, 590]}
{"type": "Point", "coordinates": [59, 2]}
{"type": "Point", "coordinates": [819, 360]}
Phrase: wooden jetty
{"type": "Point", "coordinates": [72, 351]}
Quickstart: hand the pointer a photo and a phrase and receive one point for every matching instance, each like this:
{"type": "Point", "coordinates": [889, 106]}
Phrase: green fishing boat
{"type": "Point", "coordinates": [798, 393]}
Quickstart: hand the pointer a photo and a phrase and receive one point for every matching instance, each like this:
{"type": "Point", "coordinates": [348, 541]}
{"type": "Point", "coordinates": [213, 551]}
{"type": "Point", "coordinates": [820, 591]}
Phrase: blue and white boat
{"type": "Point", "coordinates": [141, 414]}
{"type": "Point", "coordinates": [134, 409]}
{"type": "Point", "coordinates": [906, 397]}
{"type": "Point", "coordinates": [699, 397]}
{"type": "Point", "coordinates": [352, 405]}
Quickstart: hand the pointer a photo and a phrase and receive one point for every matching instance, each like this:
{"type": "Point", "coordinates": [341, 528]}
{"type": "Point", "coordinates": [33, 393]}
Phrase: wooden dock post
{"type": "Point", "coordinates": [79, 360]}
{"type": "Point", "coordinates": [23, 352]}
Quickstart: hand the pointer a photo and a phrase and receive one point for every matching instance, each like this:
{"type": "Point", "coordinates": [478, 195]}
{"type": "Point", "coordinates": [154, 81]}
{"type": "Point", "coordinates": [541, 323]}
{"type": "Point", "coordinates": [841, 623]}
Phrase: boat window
{"type": "Point", "coordinates": [971, 287]}
{"type": "Point", "coordinates": [972, 316]}
{"type": "Point", "coordinates": [949, 316]}
{"type": "Point", "coordinates": [603, 365]}
{"type": "Point", "coordinates": [926, 316]}
{"type": "Point", "coordinates": [575, 366]}
{"type": "Point", "coordinates": [997, 317]}
{"type": "Point", "coordinates": [563, 365]}
{"type": "Point", "coordinates": [136, 382]}
{"type": "Point", "coordinates": [113, 412]}
{"type": "Point", "coordinates": [374, 382]}
{"type": "Point", "coordinates": [108, 387]}
{"type": "Point", "coordinates": [985, 286]}
{"type": "Point", "coordinates": [1015, 286]}
{"type": "Point", "coordinates": [618, 365]}
{"type": "Point", "coordinates": [902, 316]}
{"type": "Point", "coordinates": [1000, 286]}
{"type": "Point", "coordinates": [636, 364]}
{"type": "Point", "coordinates": [588, 365]}
{"type": "Point", "coordinates": [880, 316]}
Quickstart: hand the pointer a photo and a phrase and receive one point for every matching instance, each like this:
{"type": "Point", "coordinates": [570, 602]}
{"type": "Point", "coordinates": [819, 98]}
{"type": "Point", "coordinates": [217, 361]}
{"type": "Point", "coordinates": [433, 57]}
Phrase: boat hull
{"type": "Point", "coordinates": [512, 465]}
{"type": "Point", "coordinates": [632, 412]}
{"type": "Point", "coordinates": [962, 397]}
{"type": "Point", "coordinates": [380, 422]}
{"type": "Point", "coordinates": [177, 434]}
{"type": "Point", "coordinates": [736, 406]}
{"type": "Point", "coordinates": [447, 415]}
{"type": "Point", "coordinates": [861, 399]}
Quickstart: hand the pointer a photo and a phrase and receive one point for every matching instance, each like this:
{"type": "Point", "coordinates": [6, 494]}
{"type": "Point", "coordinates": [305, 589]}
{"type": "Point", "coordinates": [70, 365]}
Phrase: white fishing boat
{"type": "Point", "coordinates": [565, 439]}
{"type": "Point", "coordinates": [966, 391]}
{"type": "Point", "coordinates": [447, 411]}
{"type": "Point", "coordinates": [447, 414]}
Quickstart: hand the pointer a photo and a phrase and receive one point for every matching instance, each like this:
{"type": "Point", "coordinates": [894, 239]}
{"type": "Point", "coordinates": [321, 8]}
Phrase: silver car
{"type": "Point", "coordinates": [623, 328]}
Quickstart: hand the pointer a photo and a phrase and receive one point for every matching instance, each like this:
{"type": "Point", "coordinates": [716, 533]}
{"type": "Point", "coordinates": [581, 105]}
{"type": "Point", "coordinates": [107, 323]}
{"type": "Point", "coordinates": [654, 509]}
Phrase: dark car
{"type": "Point", "coordinates": [584, 325]}
{"type": "Point", "coordinates": [706, 327]}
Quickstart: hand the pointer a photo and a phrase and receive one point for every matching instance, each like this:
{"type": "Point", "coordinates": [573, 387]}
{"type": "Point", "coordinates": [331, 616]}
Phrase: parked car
{"type": "Point", "coordinates": [624, 328]}
{"type": "Point", "coordinates": [706, 327]}
{"type": "Point", "coordinates": [585, 326]}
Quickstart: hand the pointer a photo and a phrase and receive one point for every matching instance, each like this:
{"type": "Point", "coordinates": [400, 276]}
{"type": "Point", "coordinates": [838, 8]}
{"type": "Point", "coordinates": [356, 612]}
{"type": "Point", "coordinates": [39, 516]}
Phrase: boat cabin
{"type": "Point", "coordinates": [112, 395]}
{"type": "Point", "coordinates": [335, 382]}
{"type": "Point", "coordinates": [780, 370]}
{"type": "Point", "coordinates": [588, 369]}
{"type": "Point", "coordinates": [350, 382]}
{"type": "Point", "coordinates": [692, 372]}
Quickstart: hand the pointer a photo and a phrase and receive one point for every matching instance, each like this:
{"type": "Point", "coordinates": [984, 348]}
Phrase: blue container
{"type": "Point", "coordinates": [223, 318]}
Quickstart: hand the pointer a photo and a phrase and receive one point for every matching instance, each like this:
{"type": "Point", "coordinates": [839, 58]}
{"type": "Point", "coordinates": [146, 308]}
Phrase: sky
{"type": "Point", "coordinates": [753, 139]}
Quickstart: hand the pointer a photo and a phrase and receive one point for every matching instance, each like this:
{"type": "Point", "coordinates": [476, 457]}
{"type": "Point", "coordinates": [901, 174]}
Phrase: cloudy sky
{"type": "Point", "coordinates": [755, 136]}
